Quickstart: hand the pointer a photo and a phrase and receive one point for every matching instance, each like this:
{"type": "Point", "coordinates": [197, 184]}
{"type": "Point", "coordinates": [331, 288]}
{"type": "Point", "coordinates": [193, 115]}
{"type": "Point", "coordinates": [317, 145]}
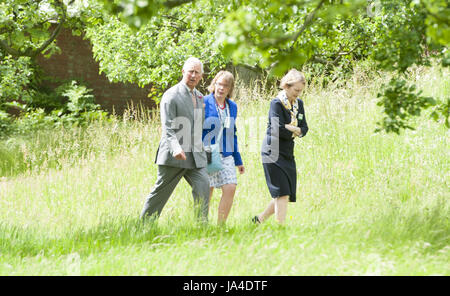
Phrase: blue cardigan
{"type": "Point", "coordinates": [210, 132]}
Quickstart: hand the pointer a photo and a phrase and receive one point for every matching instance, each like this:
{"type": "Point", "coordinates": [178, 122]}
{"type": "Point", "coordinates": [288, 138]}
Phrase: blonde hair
{"type": "Point", "coordinates": [293, 76]}
{"type": "Point", "coordinates": [229, 78]}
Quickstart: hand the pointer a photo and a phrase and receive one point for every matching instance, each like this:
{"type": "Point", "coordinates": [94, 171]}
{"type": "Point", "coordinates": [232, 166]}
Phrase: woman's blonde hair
{"type": "Point", "coordinates": [293, 76]}
{"type": "Point", "coordinates": [229, 78]}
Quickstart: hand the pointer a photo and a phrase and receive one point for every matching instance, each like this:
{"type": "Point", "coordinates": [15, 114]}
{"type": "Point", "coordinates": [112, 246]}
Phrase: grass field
{"type": "Point", "coordinates": [367, 203]}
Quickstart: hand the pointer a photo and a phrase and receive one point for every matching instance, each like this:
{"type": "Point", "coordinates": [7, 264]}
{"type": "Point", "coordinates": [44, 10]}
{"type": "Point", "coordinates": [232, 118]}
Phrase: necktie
{"type": "Point", "coordinates": [194, 101]}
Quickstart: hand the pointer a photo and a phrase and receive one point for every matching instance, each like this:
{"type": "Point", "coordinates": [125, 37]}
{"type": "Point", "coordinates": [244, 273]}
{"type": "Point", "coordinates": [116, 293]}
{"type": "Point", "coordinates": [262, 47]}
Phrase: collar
{"type": "Point", "coordinates": [215, 101]}
{"type": "Point", "coordinates": [285, 101]}
{"type": "Point", "coordinates": [292, 108]}
{"type": "Point", "coordinates": [187, 87]}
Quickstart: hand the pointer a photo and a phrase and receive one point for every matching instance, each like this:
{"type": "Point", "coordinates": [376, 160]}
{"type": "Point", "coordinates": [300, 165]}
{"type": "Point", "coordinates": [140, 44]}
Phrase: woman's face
{"type": "Point", "coordinates": [222, 88]}
{"type": "Point", "coordinates": [294, 90]}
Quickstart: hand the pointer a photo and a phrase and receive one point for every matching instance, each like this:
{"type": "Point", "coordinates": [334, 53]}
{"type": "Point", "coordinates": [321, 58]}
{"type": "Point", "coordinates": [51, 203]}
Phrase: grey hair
{"type": "Point", "coordinates": [292, 77]}
{"type": "Point", "coordinates": [193, 60]}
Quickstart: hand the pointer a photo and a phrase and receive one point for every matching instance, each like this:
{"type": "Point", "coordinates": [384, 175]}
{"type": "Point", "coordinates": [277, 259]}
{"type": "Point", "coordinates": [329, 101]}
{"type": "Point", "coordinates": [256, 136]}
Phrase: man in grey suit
{"type": "Point", "coordinates": [181, 153]}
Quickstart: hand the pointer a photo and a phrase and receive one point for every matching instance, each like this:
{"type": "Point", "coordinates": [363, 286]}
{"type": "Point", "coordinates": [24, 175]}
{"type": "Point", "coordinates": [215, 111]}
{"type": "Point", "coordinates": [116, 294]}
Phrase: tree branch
{"type": "Point", "coordinates": [8, 49]}
{"type": "Point", "coordinates": [6, 30]}
{"type": "Point", "coordinates": [255, 69]}
{"type": "Point", "coordinates": [29, 52]}
{"type": "Point", "coordinates": [308, 20]}
{"type": "Point", "coordinates": [445, 21]}
{"type": "Point", "coordinates": [339, 55]}
{"type": "Point", "coordinates": [319, 60]}
{"type": "Point", "coordinates": [55, 32]}
{"type": "Point", "coordinates": [175, 19]}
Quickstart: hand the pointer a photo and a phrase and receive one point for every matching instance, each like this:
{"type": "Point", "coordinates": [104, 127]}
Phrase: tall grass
{"type": "Point", "coordinates": [367, 203]}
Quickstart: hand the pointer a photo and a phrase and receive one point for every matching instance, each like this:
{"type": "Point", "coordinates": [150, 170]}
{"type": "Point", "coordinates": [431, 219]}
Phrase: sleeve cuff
{"type": "Point", "coordinates": [237, 159]}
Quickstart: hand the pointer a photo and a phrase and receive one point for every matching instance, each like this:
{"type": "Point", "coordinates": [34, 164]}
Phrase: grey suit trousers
{"type": "Point", "coordinates": [167, 179]}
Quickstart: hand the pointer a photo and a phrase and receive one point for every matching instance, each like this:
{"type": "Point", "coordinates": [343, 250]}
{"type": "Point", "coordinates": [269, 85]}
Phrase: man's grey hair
{"type": "Point", "coordinates": [193, 60]}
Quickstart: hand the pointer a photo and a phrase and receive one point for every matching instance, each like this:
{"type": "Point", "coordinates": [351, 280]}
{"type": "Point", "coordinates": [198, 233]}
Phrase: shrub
{"type": "Point", "coordinates": [77, 109]}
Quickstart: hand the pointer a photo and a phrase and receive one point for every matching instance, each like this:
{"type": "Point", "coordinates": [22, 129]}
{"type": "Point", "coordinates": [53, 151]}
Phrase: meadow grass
{"type": "Point", "coordinates": [367, 203]}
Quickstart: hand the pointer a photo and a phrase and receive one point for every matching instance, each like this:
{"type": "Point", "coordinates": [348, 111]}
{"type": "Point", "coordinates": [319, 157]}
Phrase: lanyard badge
{"type": "Point", "coordinates": [227, 122]}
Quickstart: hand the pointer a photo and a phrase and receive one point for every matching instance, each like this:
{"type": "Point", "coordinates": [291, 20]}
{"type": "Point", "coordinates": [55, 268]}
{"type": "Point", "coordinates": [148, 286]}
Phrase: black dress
{"type": "Point", "coordinates": [278, 150]}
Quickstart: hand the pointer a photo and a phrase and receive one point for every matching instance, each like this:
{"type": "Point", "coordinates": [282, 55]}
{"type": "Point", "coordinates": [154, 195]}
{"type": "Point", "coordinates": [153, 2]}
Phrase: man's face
{"type": "Point", "coordinates": [192, 74]}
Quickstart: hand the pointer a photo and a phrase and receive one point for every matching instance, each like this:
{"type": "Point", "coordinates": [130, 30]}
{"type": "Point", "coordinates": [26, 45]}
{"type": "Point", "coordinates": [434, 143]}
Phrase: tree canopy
{"type": "Point", "coordinates": [146, 41]}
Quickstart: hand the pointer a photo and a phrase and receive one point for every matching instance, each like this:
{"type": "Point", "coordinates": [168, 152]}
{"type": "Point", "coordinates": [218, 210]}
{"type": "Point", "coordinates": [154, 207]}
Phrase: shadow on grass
{"type": "Point", "coordinates": [428, 225]}
{"type": "Point", "coordinates": [113, 232]}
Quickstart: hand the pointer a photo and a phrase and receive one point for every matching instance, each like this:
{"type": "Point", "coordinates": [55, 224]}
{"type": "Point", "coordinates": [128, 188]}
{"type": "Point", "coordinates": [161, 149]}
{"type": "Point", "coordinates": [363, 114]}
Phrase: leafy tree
{"type": "Point", "coordinates": [279, 34]}
{"type": "Point", "coordinates": [153, 54]}
{"type": "Point", "coordinates": [25, 26]}
{"type": "Point", "coordinates": [15, 75]}
{"type": "Point", "coordinates": [409, 34]}
{"type": "Point", "coordinates": [150, 39]}
{"type": "Point", "coordinates": [27, 29]}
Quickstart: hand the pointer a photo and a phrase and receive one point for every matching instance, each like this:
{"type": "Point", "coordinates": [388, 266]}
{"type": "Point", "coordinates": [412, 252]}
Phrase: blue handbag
{"type": "Point", "coordinates": [213, 156]}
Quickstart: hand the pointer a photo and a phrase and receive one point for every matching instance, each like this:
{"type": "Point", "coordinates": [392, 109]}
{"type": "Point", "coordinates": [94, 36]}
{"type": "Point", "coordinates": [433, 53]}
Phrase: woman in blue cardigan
{"type": "Point", "coordinates": [220, 118]}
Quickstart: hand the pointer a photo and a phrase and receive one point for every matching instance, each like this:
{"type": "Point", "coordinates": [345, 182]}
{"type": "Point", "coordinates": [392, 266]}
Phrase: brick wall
{"type": "Point", "coordinates": [76, 62]}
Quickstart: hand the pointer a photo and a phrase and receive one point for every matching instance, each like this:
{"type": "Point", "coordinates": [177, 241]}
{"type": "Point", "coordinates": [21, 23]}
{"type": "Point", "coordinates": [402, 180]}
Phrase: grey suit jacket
{"type": "Point", "coordinates": [182, 126]}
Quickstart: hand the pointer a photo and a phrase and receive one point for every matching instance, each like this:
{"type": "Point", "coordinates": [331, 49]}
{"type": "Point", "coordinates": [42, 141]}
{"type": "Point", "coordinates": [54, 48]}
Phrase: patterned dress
{"type": "Point", "coordinates": [228, 174]}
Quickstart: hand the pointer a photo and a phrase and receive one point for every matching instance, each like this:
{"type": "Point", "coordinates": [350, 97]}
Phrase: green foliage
{"type": "Point", "coordinates": [150, 39]}
{"type": "Point", "coordinates": [277, 35]}
{"type": "Point", "coordinates": [24, 25]}
{"type": "Point", "coordinates": [15, 75]}
{"type": "Point", "coordinates": [68, 104]}
{"type": "Point", "coordinates": [28, 28]}
{"type": "Point", "coordinates": [437, 20]}
{"type": "Point", "coordinates": [410, 33]}
{"type": "Point", "coordinates": [79, 98]}
{"type": "Point", "coordinates": [78, 109]}
{"type": "Point", "coordinates": [5, 122]}
{"type": "Point", "coordinates": [155, 53]}
{"type": "Point", "coordinates": [400, 101]}
{"type": "Point", "coordinates": [400, 36]}
{"type": "Point", "coordinates": [33, 120]}
{"type": "Point", "coordinates": [136, 13]}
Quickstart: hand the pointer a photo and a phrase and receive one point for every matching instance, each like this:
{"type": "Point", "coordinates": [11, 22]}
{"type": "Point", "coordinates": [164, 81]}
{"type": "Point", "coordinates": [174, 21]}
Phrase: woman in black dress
{"type": "Point", "coordinates": [286, 121]}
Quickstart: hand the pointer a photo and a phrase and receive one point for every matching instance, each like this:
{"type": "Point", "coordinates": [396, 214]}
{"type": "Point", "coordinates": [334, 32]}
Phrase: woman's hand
{"type": "Point", "coordinates": [296, 130]}
{"type": "Point", "coordinates": [241, 169]}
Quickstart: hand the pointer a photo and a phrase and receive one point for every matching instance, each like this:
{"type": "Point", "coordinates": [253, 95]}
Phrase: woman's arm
{"type": "Point", "coordinates": [301, 119]}
{"type": "Point", "coordinates": [236, 154]}
{"type": "Point", "coordinates": [294, 129]}
{"type": "Point", "coordinates": [211, 125]}
{"type": "Point", "coordinates": [276, 112]}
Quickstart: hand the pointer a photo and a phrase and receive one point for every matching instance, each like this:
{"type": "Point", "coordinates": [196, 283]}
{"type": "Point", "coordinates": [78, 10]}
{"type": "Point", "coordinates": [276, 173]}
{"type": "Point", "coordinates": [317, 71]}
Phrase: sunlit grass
{"type": "Point", "coordinates": [368, 204]}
